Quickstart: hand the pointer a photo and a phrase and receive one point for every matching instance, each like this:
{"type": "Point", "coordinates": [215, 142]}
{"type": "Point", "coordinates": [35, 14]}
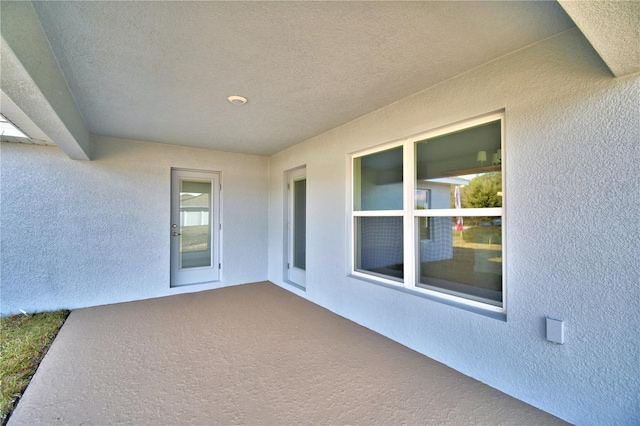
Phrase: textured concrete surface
{"type": "Point", "coordinates": [253, 354]}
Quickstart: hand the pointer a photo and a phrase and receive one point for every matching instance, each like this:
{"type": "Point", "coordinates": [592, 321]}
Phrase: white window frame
{"type": "Point", "coordinates": [373, 213]}
{"type": "Point", "coordinates": [410, 215]}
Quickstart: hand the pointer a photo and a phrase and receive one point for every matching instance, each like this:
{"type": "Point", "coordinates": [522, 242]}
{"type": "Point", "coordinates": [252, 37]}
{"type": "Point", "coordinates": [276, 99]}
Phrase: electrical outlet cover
{"type": "Point", "coordinates": [555, 330]}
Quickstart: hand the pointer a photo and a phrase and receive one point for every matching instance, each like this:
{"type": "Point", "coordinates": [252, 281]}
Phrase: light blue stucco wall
{"type": "Point", "coordinates": [572, 201]}
{"type": "Point", "coordinates": [79, 233]}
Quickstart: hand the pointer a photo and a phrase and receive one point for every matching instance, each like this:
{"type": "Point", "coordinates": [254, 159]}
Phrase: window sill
{"type": "Point", "coordinates": [501, 316]}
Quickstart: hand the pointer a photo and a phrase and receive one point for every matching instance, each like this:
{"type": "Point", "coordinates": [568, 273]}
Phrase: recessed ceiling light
{"type": "Point", "coordinates": [237, 100]}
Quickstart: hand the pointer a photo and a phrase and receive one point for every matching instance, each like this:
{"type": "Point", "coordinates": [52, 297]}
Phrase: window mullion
{"type": "Point", "coordinates": [409, 221]}
{"type": "Point", "coordinates": [477, 212]}
{"type": "Point", "coordinates": [378, 213]}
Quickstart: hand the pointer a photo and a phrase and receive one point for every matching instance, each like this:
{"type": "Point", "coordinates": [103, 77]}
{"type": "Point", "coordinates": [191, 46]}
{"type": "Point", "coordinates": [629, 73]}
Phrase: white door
{"type": "Point", "coordinates": [195, 227]}
{"type": "Point", "coordinates": [297, 227]}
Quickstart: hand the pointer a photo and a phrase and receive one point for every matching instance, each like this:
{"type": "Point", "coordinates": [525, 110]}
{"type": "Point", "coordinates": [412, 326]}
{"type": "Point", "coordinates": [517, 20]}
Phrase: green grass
{"type": "Point", "coordinates": [24, 340]}
{"type": "Point", "coordinates": [483, 235]}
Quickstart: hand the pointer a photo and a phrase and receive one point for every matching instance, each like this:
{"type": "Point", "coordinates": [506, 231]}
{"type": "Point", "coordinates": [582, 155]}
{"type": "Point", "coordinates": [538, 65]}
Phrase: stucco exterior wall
{"type": "Point", "coordinates": [572, 183]}
{"type": "Point", "coordinates": [80, 233]}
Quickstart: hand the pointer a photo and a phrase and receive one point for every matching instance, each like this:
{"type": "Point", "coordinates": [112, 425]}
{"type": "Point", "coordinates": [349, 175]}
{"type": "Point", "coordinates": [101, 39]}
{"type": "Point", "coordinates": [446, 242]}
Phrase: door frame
{"type": "Point", "coordinates": [292, 275]}
{"type": "Point", "coordinates": [178, 276]}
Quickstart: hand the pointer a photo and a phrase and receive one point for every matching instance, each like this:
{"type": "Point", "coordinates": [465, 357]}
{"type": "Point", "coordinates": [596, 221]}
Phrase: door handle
{"type": "Point", "coordinates": [175, 234]}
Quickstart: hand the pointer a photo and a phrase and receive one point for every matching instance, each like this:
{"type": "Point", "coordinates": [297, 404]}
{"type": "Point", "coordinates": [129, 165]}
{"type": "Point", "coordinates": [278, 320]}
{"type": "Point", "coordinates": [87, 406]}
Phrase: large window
{"type": "Point", "coordinates": [428, 213]}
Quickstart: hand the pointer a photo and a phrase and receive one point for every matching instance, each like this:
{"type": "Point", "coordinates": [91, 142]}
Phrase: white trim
{"type": "Point", "coordinates": [449, 180]}
{"type": "Point", "coordinates": [504, 224]}
{"type": "Point", "coordinates": [409, 178]}
{"type": "Point", "coordinates": [378, 148]}
{"type": "Point", "coordinates": [180, 276]}
{"type": "Point", "coordinates": [293, 275]}
{"type": "Point", "coordinates": [490, 211]}
{"type": "Point", "coordinates": [459, 299]}
{"type": "Point", "coordinates": [378, 213]}
{"type": "Point", "coordinates": [377, 277]}
{"type": "Point", "coordinates": [460, 125]}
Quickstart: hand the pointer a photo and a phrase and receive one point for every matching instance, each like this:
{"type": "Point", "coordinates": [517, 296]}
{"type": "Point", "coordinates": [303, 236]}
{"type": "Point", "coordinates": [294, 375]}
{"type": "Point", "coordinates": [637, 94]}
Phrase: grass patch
{"type": "Point", "coordinates": [483, 235]}
{"type": "Point", "coordinates": [24, 340]}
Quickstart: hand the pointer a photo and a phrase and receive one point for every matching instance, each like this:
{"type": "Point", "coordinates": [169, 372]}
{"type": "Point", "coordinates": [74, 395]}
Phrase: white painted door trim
{"type": "Point", "coordinates": [180, 273]}
{"type": "Point", "coordinates": [295, 273]}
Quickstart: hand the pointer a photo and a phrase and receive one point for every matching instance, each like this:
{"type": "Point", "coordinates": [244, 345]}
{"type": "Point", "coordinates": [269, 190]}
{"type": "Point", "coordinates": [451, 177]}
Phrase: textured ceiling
{"type": "Point", "coordinates": [162, 71]}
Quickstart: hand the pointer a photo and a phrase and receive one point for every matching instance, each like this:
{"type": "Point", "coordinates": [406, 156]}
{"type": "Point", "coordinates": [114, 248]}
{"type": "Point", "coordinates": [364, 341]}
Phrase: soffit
{"type": "Point", "coordinates": [35, 136]}
{"type": "Point", "coordinates": [162, 71]}
{"type": "Point", "coordinates": [613, 29]}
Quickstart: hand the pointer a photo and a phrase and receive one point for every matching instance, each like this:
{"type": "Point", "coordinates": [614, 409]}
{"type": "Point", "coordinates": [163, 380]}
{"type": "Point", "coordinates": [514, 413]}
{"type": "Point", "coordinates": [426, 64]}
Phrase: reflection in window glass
{"type": "Point", "coordinates": [470, 159]}
{"type": "Point", "coordinates": [454, 204]}
{"type": "Point", "coordinates": [379, 246]}
{"type": "Point", "coordinates": [378, 181]}
{"type": "Point", "coordinates": [461, 255]}
{"type": "Point", "coordinates": [482, 190]}
{"type": "Point", "coordinates": [466, 262]}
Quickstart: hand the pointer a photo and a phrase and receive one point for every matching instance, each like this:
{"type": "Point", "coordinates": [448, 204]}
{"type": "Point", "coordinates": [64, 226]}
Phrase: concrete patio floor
{"type": "Point", "coordinates": [251, 354]}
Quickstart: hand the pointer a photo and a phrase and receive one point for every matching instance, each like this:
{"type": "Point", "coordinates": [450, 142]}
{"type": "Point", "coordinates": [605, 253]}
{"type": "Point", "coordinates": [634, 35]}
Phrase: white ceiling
{"type": "Point", "coordinates": [162, 71]}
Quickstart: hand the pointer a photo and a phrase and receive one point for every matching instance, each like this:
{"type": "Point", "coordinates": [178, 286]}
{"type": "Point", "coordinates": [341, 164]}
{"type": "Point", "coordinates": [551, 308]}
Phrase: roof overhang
{"type": "Point", "coordinates": [612, 28]}
{"type": "Point", "coordinates": [33, 82]}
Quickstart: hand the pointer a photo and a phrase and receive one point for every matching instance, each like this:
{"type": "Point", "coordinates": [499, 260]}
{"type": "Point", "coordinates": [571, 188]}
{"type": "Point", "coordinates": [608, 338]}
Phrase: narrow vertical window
{"type": "Point", "coordinates": [296, 260]}
{"type": "Point", "coordinates": [377, 214]}
{"type": "Point", "coordinates": [300, 224]}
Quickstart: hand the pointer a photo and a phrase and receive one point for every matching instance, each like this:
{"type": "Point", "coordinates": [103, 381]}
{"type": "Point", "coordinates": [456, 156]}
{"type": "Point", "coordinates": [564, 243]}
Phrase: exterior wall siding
{"type": "Point", "coordinates": [79, 233]}
{"type": "Point", "coordinates": [572, 183]}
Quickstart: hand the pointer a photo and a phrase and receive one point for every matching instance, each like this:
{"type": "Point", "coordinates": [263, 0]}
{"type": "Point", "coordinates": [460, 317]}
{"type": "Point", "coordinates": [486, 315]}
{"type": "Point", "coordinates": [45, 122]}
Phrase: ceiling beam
{"type": "Point", "coordinates": [31, 78]}
{"type": "Point", "coordinates": [613, 29]}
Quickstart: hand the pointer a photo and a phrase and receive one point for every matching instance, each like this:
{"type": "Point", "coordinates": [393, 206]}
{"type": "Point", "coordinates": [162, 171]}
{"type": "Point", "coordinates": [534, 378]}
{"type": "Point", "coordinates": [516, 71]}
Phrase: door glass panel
{"type": "Point", "coordinates": [195, 220]}
{"type": "Point", "coordinates": [300, 224]}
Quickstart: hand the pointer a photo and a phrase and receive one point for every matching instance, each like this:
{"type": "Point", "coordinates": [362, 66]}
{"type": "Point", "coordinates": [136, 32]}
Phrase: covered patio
{"type": "Point", "coordinates": [159, 149]}
{"type": "Point", "coordinates": [251, 354]}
